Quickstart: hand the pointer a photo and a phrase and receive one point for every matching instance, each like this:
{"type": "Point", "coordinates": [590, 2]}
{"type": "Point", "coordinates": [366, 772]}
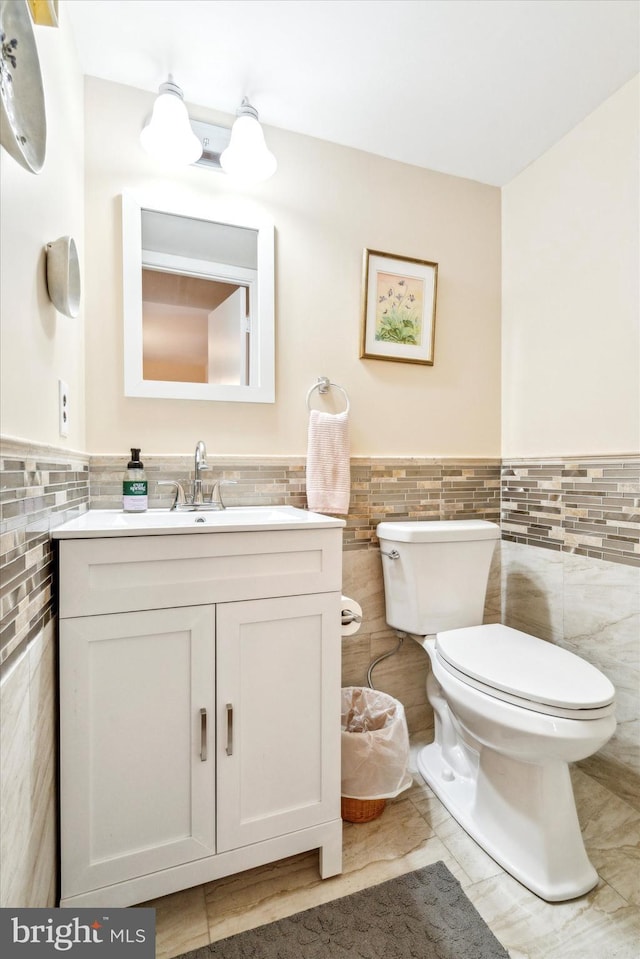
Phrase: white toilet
{"type": "Point", "coordinates": [511, 710]}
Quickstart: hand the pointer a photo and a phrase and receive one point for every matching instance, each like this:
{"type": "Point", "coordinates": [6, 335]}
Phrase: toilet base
{"type": "Point", "coordinates": [523, 815]}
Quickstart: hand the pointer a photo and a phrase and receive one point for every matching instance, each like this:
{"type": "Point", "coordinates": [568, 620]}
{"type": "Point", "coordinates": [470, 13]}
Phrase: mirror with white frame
{"type": "Point", "coordinates": [198, 299]}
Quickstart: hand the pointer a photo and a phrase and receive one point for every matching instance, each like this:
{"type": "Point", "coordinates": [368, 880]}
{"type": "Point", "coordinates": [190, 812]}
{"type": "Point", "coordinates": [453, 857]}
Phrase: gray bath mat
{"type": "Point", "coordinates": [423, 915]}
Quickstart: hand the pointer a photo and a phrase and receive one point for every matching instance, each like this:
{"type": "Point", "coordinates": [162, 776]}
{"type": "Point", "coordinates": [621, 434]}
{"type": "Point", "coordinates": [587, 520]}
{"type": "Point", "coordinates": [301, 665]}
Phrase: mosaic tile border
{"type": "Point", "coordinates": [40, 487]}
{"type": "Point", "coordinates": [381, 487]}
{"type": "Point", "coordinates": [586, 505]}
{"type": "Point", "coordinates": [419, 488]}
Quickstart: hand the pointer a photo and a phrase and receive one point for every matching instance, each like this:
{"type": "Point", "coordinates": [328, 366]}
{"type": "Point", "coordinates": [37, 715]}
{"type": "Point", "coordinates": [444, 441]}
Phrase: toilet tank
{"type": "Point", "coordinates": [438, 580]}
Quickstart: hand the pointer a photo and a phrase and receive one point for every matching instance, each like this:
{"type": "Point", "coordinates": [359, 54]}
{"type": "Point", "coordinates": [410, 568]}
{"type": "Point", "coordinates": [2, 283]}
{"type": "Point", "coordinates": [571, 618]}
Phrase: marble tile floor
{"type": "Point", "coordinates": [413, 831]}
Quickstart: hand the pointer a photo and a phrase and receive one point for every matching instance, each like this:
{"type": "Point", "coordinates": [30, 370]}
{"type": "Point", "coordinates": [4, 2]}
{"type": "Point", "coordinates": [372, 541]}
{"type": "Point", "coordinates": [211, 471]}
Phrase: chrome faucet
{"type": "Point", "coordinates": [200, 466]}
{"type": "Point", "coordinates": [196, 500]}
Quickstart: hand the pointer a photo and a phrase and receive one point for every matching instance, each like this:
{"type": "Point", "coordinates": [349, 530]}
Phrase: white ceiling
{"type": "Point", "coordinates": [475, 88]}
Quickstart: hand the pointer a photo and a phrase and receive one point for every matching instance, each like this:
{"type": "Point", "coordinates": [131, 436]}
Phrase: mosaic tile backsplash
{"type": "Point", "coordinates": [40, 487]}
{"type": "Point", "coordinates": [381, 488]}
{"type": "Point", "coordinates": [588, 506]}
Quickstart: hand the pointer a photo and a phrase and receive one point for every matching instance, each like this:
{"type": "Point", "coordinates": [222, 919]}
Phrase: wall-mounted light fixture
{"type": "Point", "coordinates": [168, 135]}
{"type": "Point", "coordinates": [247, 155]}
{"type": "Point", "coordinates": [175, 139]}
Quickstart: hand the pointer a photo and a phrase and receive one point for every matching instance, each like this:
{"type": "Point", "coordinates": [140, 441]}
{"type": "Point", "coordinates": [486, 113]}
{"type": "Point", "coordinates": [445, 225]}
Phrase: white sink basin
{"type": "Point", "coordinates": [100, 523]}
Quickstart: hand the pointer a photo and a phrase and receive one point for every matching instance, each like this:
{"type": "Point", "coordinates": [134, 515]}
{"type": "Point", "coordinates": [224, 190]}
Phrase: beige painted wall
{"type": "Point", "coordinates": [39, 345]}
{"type": "Point", "coordinates": [571, 291]}
{"type": "Point", "coordinates": [328, 203]}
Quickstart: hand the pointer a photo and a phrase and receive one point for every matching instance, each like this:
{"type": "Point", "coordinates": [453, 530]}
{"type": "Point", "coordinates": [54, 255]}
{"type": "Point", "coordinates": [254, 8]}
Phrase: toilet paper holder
{"type": "Point", "coordinates": [349, 616]}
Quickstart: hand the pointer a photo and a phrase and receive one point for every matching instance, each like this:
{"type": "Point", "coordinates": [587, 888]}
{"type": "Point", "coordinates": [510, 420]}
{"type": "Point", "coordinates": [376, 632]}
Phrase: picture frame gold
{"type": "Point", "coordinates": [398, 308]}
{"type": "Point", "coordinates": [44, 12]}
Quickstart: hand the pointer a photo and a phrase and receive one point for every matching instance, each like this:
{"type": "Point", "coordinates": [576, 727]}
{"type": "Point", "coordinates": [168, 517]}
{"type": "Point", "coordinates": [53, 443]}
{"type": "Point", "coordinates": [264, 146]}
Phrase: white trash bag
{"type": "Point", "coordinates": [375, 745]}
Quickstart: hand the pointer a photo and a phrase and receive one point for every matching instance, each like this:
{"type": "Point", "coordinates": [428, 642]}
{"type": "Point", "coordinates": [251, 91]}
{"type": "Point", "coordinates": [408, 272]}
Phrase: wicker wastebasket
{"type": "Point", "coordinates": [375, 752]}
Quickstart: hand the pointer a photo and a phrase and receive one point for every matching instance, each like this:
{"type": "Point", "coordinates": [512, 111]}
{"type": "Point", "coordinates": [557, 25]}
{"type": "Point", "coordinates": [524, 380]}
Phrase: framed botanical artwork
{"type": "Point", "coordinates": [398, 308]}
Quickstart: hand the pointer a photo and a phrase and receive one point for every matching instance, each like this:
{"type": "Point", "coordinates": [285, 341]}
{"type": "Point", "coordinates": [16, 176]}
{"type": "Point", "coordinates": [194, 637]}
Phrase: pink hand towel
{"type": "Point", "coordinates": [328, 466]}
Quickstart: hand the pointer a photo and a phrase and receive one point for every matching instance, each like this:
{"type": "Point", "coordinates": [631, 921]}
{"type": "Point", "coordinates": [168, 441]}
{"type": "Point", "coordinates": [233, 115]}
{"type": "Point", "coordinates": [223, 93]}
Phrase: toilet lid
{"type": "Point", "coordinates": [524, 666]}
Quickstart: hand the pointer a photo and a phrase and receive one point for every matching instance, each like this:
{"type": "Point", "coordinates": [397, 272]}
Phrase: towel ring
{"type": "Point", "coordinates": [323, 385]}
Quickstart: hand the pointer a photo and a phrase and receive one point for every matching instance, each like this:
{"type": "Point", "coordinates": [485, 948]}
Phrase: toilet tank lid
{"type": "Point", "coordinates": [438, 531]}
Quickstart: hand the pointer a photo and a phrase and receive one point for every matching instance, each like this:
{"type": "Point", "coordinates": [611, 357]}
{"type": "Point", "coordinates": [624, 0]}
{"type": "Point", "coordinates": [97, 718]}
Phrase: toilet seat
{"type": "Point", "coordinates": [515, 667]}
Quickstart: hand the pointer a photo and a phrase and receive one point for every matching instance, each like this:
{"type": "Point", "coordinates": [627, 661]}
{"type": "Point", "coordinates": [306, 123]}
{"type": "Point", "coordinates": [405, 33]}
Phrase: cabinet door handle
{"type": "Point", "coordinates": [229, 749]}
{"type": "Point", "coordinates": [203, 735]}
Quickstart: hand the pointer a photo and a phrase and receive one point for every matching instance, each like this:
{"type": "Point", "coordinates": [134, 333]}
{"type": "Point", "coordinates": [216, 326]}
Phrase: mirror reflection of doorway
{"type": "Point", "coordinates": [180, 342]}
{"type": "Point", "coordinates": [194, 329]}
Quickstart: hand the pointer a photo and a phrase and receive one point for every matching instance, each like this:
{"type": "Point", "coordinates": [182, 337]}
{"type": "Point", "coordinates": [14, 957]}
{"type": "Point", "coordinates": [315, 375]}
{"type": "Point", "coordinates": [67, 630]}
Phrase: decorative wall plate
{"type": "Point", "coordinates": [23, 122]}
{"type": "Point", "coordinates": [63, 275]}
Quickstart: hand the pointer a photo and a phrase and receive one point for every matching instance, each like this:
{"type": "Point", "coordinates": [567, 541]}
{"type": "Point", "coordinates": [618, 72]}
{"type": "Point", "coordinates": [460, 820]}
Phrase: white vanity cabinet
{"type": "Point", "coordinates": [135, 796]}
{"type": "Point", "coordinates": [199, 707]}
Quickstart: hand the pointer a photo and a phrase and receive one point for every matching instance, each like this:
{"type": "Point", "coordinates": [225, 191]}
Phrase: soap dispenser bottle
{"type": "Point", "coordinates": [134, 485]}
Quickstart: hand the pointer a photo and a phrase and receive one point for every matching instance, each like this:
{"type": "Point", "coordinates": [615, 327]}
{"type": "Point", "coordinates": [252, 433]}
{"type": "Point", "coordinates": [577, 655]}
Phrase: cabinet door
{"type": "Point", "coordinates": [137, 750]}
{"type": "Point", "coordinates": [278, 705]}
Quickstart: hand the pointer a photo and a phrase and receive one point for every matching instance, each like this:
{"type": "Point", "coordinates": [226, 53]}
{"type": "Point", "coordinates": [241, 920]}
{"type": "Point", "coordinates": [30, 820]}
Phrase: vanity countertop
{"type": "Point", "coordinates": [110, 523]}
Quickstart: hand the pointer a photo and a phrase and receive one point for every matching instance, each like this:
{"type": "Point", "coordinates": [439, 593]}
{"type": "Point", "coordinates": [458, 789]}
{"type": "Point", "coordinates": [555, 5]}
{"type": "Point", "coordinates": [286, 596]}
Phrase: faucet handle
{"type": "Point", "coordinates": [216, 491]}
{"type": "Point", "coordinates": [179, 499]}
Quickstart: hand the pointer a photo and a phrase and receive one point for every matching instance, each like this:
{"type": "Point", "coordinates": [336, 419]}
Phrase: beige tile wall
{"type": "Point", "coordinates": [592, 608]}
{"type": "Point", "coordinates": [28, 789]}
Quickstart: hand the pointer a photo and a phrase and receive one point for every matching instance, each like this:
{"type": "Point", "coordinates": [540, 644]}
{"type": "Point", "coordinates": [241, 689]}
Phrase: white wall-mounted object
{"type": "Point", "coordinates": [23, 121]}
{"type": "Point", "coordinates": [195, 241]}
{"type": "Point", "coordinates": [63, 408]}
{"type": "Point", "coordinates": [248, 157]}
{"type": "Point", "coordinates": [173, 139]}
{"type": "Point", "coordinates": [168, 136]}
{"type": "Point", "coordinates": [200, 683]}
{"type": "Point", "coordinates": [63, 275]}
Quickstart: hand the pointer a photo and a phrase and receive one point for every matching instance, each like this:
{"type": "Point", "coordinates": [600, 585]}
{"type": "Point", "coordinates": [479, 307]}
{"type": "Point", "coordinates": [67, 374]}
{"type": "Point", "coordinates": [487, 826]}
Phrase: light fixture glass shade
{"type": "Point", "coordinates": [168, 135]}
{"type": "Point", "coordinates": [247, 157]}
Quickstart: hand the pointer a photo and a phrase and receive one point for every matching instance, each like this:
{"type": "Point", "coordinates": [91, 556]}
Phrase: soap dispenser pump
{"type": "Point", "coordinates": [134, 485]}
